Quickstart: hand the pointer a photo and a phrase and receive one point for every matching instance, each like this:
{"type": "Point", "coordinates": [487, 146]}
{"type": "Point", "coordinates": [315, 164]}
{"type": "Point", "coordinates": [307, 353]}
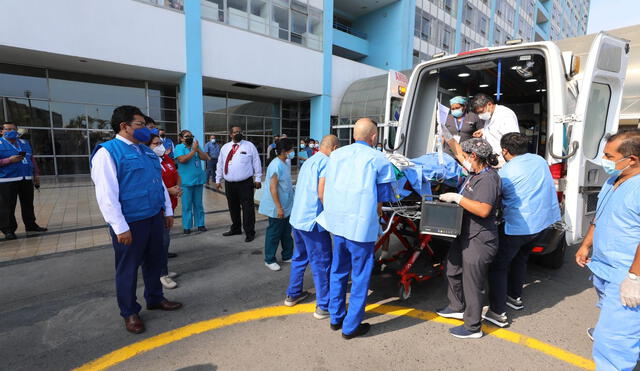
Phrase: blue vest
{"type": "Point", "coordinates": [141, 194]}
{"type": "Point", "coordinates": [17, 170]}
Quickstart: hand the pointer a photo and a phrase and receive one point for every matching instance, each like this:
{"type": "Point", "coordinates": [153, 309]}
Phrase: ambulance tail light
{"type": "Point", "coordinates": [557, 173]}
{"type": "Point", "coordinates": [474, 51]}
{"type": "Point", "coordinates": [537, 249]}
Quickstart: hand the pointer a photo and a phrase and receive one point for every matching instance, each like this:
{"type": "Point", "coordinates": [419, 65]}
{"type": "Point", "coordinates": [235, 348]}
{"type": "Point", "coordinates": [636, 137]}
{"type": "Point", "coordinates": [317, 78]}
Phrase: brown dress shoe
{"type": "Point", "coordinates": [165, 305]}
{"type": "Point", "coordinates": [134, 324]}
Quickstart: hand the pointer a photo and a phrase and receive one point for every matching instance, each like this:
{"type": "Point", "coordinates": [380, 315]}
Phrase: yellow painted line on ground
{"type": "Point", "coordinates": [130, 351]}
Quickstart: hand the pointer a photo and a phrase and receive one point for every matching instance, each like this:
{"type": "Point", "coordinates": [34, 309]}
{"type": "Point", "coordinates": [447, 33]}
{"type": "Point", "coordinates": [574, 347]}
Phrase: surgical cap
{"type": "Point", "coordinates": [479, 146]}
{"type": "Point", "coordinates": [458, 100]}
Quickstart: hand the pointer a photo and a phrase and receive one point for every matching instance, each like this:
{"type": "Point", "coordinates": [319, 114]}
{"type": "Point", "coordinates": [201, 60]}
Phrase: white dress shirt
{"type": "Point", "coordinates": [244, 164]}
{"type": "Point", "coordinates": [503, 121]}
{"type": "Point", "coordinates": [105, 178]}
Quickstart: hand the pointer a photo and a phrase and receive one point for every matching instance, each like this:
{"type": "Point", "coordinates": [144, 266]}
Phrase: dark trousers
{"type": "Point", "coordinates": [278, 232]}
{"type": "Point", "coordinates": [146, 250]}
{"type": "Point", "coordinates": [211, 169]}
{"type": "Point", "coordinates": [240, 196]}
{"type": "Point", "coordinates": [468, 261]}
{"type": "Point", "coordinates": [164, 262]}
{"type": "Point", "coordinates": [508, 270]}
{"type": "Point", "coordinates": [9, 193]}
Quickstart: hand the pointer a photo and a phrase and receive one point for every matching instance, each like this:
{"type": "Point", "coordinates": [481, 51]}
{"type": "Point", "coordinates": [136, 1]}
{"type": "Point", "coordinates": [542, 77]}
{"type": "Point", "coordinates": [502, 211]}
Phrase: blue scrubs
{"type": "Point", "coordinates": [350, 213]}
{"type": "Point", "coordinates": [616, 344]}
{"type": "Point", "coordinates": [312, 242]}
{"type": "Point", "coordinates": [192, 177]}
{"type": "Point", "coordinates": [279, 230]}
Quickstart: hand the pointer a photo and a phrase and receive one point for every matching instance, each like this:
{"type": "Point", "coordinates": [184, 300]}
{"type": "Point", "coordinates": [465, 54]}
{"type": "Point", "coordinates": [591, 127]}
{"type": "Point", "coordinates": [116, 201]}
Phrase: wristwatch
{"type": "Point", "coordinates": [633, 276]}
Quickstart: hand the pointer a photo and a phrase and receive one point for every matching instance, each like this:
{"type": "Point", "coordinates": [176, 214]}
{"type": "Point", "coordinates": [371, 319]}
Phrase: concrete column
{"type": "Point", "coordinates": [321, 105]}
{"type": "Point", "coordinates": [190, 97]}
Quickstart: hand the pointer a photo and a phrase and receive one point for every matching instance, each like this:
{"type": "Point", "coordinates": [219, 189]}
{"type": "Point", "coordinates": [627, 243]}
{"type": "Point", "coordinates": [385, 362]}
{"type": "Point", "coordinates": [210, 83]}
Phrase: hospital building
{"type": "Point", "coordinates": [300, 67]}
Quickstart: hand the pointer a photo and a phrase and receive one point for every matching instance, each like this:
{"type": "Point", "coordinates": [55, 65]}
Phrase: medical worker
{"type": "Point", "coordinates": [276, 203]}
{"type": "Point", "coordinates": [312, 242]}
{"type": "Point", "coordinates": [530, 206]}
{"type": "Point", "coordinates": [189, 157]}
{"type": "Point", "coordinates": [460, 122]}
{"type": "Point", "coordinates": [473, 250]}
{"type": "Point", "coordinates": [498, 121]}
{"type": "Point", "coordinates": [354, 176]}
{"type": "Point", "coordinates": [615, 259]}
{"type": "Point", "coordinates": [136, 205]}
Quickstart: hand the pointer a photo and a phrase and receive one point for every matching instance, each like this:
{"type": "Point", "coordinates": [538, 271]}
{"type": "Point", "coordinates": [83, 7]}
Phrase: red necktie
{"type": "Point", "coordinates": [229, 157]}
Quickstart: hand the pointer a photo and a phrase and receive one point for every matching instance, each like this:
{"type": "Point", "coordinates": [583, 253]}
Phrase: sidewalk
{"type": "Point", "coordinates": [68, 208]}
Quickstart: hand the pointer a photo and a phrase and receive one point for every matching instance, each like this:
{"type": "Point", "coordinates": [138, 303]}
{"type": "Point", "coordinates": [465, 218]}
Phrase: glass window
{"type": "Point", "coordinates": [446, 39]}
{"type": "Point", "coordinates": [27, 112]}
{"type": "Point", "coordinates": [272, 126]}
{"type": "Point", "coordinates": [213, 10]}
{"type": "Point", "coordinates": [258, 18]}
{"type": "Point", "coordinates": [279, 22]}
{"type": "Point", "coordinates": [447, 5]}
{"type": "Point", "coordinates": [99, 117]}
{"type": "Point", "coordinates": [70, 142]}
{"type": "Point", "coordinates": [215, 104]}
{"type": "Point", "coordinates": [299, 6]}
{"type": "Point", "coordinates": [40, 140]}
{"type": "Point", "coordinates": [73, 165]}
{"type": "Point", "coordinates": [314, 32]}
{"type": "Point", "coordinates": [20, 81]}
{"type": "Point", "coordinates": [482, 25]}
{"type": "Point", "coordinates": [416, 27]}
{"type": "Point", "coordinates": [162, 90]}
{"type": "Point", "coordinates": [45, 165]}
{"type": "Point", "coordinates": [237, 13]}
{"type": "Point", "coordinates": [240, 121]}
{"type": "Point", "coordinates": [298, 23]}
{"type": "Point", "coordinates": [163, 102]}
{"type": "Point", "coordinates": [170, 127]}
{"type": "Point", "coordinates": [425, 31]}
{"type": "Point", "coordinates": [237, 4]}
{"type": "Point", "coordinates": [255, 126]}
{"type": "Point", "coordinates": [97, 137]}
{"type": "Point", "coordinates": [595, 123]}
{"type": "Point", "coordinates": [72, 87]}
{"type": "Point", "coordinates": [68, 115]}
{"type": "Point", "coordinates": [215, 123]}
{"type": "Point", "coordinates": [468, 14]}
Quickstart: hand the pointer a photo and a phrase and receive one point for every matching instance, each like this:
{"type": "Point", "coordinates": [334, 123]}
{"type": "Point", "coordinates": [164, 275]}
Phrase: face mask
{"type": "Point", "coordinates": [213, 140]}
{"type": "Point", "coordinates": [142, 135]}
{"type": "Point", "coordinates": [457, 113]}
{"type": "Point", "coordinates": [302, 146]}
{"type": "Point", "coordinates": [485, 115]}
{"type": "Point", "coordinates": [291, 155]}
{"type": "Point", "coordinates": [379, 149]}
{"type": "Point", "coordinates": [609, 166]}
{"type": "Point", "coordinates": [159, 150]}
{"type": "Point", "coordinates": [467, 165]}
{"type": "Point", "coordinates": [238, 137]}
{"type": "Point", "coordinates": [188, 141]}
{"type": "Point", "coordinates": [11, 135]}
{"type": "Point", "coordinates": [162, 136]}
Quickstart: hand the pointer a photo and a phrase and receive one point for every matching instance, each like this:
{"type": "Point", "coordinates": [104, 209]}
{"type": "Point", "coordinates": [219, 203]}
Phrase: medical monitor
{"type": "Point", "coordinates": [440, 218]}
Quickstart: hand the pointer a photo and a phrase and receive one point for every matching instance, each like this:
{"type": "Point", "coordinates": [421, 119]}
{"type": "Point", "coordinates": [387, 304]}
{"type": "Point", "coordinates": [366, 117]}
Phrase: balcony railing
{"type": "Point", "coordinates": [348, 29]}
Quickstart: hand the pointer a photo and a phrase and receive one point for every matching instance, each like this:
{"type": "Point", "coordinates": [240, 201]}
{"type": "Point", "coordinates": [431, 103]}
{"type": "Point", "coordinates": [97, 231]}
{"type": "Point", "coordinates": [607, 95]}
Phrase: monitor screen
{"type": "Point", "coordinates": [440, 215]}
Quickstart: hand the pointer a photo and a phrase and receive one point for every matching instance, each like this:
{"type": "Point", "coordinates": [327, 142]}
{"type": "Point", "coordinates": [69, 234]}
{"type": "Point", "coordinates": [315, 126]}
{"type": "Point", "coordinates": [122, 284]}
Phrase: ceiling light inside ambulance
{"type": "Point", "coordinates": [464, 74]}
{"type": "Point", "coordinates": [484, 85]}
{"type": "Point", "coordinates": [452, 89]}
{"type": "Point", "coordinates": [514, 67]}
{"type": "Point", "coordinates": [530, 80]}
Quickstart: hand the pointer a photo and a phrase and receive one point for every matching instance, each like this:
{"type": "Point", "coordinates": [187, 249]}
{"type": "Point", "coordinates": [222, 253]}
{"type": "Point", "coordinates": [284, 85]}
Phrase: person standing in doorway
{"type": "Point", "coordinates": [190, 156]}
{"type": "Point", "coordinates": [212, 148]}
{"type": "Point", "coordinates": [239, 165]}
{"type": "Point", "coordinates": [498, 121]}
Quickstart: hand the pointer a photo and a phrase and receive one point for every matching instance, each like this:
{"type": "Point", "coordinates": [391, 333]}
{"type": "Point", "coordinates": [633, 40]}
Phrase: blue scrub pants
{"type": "Point", "coordinates": [166, 241]}
{"type": "Point", "coordinates": [278, 231]}
{"type": "Point", "coordinates": [311, 247]}
{"type": "Point", "coordinates": [616, 341]}
{"type": "Point", "coordinates": [211, 169]}
{"type": "Point", "coordinates": [146, 250]}
{"type": "Point", "coordinates": [192, 208]}
{"type": "Point", "coordinates": [355, 258]}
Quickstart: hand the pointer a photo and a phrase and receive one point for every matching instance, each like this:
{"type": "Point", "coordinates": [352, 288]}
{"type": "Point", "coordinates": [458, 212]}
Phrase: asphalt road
{"type": "Point", "coordinates": [59, 312]}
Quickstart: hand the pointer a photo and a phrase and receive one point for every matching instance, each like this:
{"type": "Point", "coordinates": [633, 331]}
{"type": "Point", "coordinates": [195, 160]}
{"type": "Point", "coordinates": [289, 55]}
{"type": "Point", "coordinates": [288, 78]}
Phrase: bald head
{"type": "Point", "coordinates": [365, 130]}
{"type": "Point", "coordinates": [329, 144]}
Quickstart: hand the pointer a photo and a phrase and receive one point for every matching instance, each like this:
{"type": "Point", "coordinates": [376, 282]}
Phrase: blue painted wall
{"type": "Point", "coordinates": [321, 104]}
{"type": "Point", "coordinates": [350, 42]}
{"type": "Point", "coordinates": [190, 97]}
{"type": "Point", "coordinates": [458, 42]}
{"type": "Point", "coordinates": [492, 22]}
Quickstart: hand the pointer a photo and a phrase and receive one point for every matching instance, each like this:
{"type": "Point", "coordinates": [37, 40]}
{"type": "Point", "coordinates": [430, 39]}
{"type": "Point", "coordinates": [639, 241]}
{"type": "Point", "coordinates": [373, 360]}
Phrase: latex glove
{"type": "Point", "coordinates": [630, 292]}
{"type": "Point", "coordinates": [451, 197]}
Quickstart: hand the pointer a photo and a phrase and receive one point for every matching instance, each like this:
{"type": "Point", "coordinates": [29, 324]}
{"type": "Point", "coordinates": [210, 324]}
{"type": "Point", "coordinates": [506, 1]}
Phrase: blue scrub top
{"type": "Point", "coordinates": [529, 198]}
{"type": "Point", "coordinates": [351, 191]}
{"type": "Point", "coordinates": [191, 172]}
{"type": "Point", "coordinates": [306, 204]}
{"type": "Point", "coordinates": [617, 233]}
{"type": "Point", "coordinates": [285, 189]}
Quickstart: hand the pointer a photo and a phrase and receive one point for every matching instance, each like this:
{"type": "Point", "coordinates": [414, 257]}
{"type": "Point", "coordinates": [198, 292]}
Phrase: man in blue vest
{"type": "Point", "coordinates": [17, 178]}
{"type": "Point", "coordinates": [135, 203]}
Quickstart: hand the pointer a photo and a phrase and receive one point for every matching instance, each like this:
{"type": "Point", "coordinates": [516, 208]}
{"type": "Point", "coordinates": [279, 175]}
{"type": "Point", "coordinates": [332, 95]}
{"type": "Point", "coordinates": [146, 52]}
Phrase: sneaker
{"type": "Point", "coordinates": [499, 320]}
{"type": "Point", "coordinates": [362, 329]}
{"type": "Point", "coordinates": [447, 312]}
{"type": "Point", "coordinates": [590, 331]}
{"type": "Point", "coordinates": [273, 266]}
{"type": "Point", "coordinates": [288, 261]}
{"type": "Point", "coordinates": [202, 229]}
{"type": "Point", "coordinates": [186, 231]}
{"type": "Point", "coordinates": [289, 301]}
{"type": "Point", "coordinates": [462, 333]}
{"type": "Point", "coordinates": [516, 304]}
{"type": "Point", "coordinates": [172, 275]}
{"type": "Point", "coordinates": [320, 313]}
{"type": "Point", "coordinates": [168, 283]}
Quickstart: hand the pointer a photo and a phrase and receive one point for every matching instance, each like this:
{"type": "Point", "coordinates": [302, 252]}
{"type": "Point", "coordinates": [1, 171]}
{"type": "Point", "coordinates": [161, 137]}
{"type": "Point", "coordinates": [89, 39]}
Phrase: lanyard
{"type": "Point", "coordinates": [460, 124]}
{"type": "Point", "coordinates": [19, 149]}
{"type": "Point", "coordinates": [469, 178]}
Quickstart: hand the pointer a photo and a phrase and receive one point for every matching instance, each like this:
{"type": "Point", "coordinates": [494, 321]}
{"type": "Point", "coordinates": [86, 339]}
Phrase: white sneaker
{"type": "Point", "coordinates": [273, 266]}
{"type": "Point", "coordinates": [168, 283]}
{"type": "Point", "coordinates": [172, 275]}
{"type": "Point", "coordinates": [287, 261]}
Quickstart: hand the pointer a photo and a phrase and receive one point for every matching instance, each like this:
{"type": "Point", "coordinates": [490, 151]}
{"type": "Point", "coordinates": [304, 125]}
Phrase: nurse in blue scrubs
{"type": "Point", "coordinates": [615, 259]}
{"type": "Point", "coordinates": [355, 174]}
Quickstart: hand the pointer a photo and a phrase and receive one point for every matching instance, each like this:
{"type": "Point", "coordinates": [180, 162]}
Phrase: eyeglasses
{"type": "Point", "coordinates": [138, 123]}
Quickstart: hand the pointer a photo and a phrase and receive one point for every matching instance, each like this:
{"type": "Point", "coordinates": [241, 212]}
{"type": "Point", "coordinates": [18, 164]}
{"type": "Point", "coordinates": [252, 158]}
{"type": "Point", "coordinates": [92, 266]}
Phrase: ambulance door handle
{"type": "Point", "coordinates": [574, 149]}
{"type": "Point", "coordinates": [388, 148]}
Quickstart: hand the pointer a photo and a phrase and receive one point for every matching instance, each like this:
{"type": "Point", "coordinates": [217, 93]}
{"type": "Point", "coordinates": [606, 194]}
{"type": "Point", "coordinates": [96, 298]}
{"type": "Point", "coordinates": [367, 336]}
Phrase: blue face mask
{"type": "Point", "coordinates": [142, 135]}
{"type": "Point", "coordinates": [11, 135]}
{"type": "Point", "coordinates": [457, 113]}
{"type": "Point", "coordinates": [291, 155]}
{"type": "Point", "coordinates": [302, 146]}
{"type": "Point", "coordinates": [609, 166]}
{"type": "Point", "coordinates": [379, 149]}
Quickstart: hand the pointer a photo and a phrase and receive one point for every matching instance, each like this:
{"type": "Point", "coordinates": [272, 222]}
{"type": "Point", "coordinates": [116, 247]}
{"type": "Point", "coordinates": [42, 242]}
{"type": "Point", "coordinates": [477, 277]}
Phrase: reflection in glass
{"type": "Point", "coordinates": [70, 142]}
{"type": "Point", "coordinates": [71, 87]}
{"type": "Point", "coordinates": [21, 81]}
{"type": "Point", "coordinates": [73, 165]}
{"type": "Point", "coordinates": [40, 140]}
{"type": "Point", "coordinates": [45, 165]}
{"type": "Point", "coordinates": [97, 137]}
{"type": "Point", "coordinates": [162, 102]}
{"type": "Point", "coordinates": [238, 121]}
{"type": "Point", "coordinates": [279, 22]}
{"type": "Point", "coordinates": [255, 126]}
{"type": "Point", "coordinates": [215, 123]}
{"type": "Point", "coordinates": [258, 16]}
{"type": "Point", "coordinates": [214, 104]}
{"type": "Point", "coordinates": [237, 13]}
{"type": "Point", "coordinates": [68, 115]}
{"type": "Point", "coordinates": [99, 117]}
{"type": "Point", "coordinates": [170, 127]}
{"type": "Point", "coordinates": [27, 112]}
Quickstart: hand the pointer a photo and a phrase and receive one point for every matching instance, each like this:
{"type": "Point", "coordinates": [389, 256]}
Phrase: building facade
{"type": "Point", "coordinates": [269, 66]}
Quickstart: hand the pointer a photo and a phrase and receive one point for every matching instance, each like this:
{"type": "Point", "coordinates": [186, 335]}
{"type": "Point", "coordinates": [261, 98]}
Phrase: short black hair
{"type": "Point", "coordinates": [151, 138]}
{"type": "Point", "coordinates": [161, 129]}
{"type": "Point", "coordinates": [516, 143]}
{"type": "Point", "coordinates": [630, 142]}
{"type": "Point", "coordinates": [9, 123]}
{"type": "Point", "coordinates": [480, 100]}
{"type": "Point", "coordinates": [149, 120]}
{"type": "Point", "coordinates": [284, 145]}
{"type": "Point", "coordinates": [183, 132]}
{"type": "Point", "coordinates": [123, 114]}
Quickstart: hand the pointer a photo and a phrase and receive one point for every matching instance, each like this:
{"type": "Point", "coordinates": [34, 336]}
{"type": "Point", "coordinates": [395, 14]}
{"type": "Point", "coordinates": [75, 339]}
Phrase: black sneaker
{"type": "Point", "coordinates": [10, 236]}
{"type": "Point", "coordinates": [499, 320]}
{"type": "Point", "coordinates": [362, 329]}
{"type": "Point", "coordinates": [249, 238]}
{"type": "Point", "coordinates": [447, 312]}
{"type": "Point", "coordinates": [202, 229]}
{"type": "Point", "coordinates": [36, 228]}
{"type": "Point", "coordinates": [515, 303]}
{"type": "Point", "coordinates": [462, 333]}
{"type": "Point", "coordinates": [172, 255]}
{"type": "Point", "coordinates": [230, 233]}
{"type": "Point", "coordinates": [186, 231]}
{"type": "Point", "coordinates": [335, 326]}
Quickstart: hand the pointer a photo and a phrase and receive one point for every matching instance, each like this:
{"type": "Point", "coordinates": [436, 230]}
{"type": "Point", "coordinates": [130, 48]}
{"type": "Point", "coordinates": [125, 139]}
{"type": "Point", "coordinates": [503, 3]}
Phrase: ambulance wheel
{"type": "Point", "coordinates": [404, 294]}
{"type": "Point", "coordinates": [556, 258]}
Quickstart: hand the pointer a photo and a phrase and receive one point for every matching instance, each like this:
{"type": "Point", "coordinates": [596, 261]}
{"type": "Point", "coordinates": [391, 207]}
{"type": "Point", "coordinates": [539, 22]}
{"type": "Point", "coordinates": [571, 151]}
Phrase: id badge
{"type": "Point", "coordinates": [198, 163]}
{"type": "Point", "coordinates": [457, 138]}
{"type": "Point", "coordinates": [24, 161]}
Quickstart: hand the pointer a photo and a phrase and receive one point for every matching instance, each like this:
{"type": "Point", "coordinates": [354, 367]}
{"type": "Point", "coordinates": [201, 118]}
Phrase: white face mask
{"type": "Point", "coordinates": [213, 140]}
{"type": "Point", "coordinates": [467, 165]}
{"type": "Point", "coordinates": [159, 150]}
{"type": "Point", "coordinates": [485, 116]}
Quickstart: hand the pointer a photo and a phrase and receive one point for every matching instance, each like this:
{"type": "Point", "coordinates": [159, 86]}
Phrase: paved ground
{"type": "Point", "coordinates": [59, 312]}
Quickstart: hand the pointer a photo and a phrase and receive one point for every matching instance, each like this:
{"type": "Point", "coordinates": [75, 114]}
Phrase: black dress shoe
{"type": "Point", "coordinates": [230, 233]}
{"type": "Point", "coordinates": [250, 238]}
{"type": "Point", "coordinates": [202, 229]}
{"type": "Point", "coordinates": [186, 231]}
{"type": "Point", "coordinates": [165, 305]}
{"type": "Point", "coordinates": [134, 324]}
{"type": "Point", "coordinates": [335, 327]}
{"type": "Point", "coordinates": [37, 228]}
{"type": "Point", "coordinates": [362, 329]}
{"type": "Point", "coordinates": [10, 236]}
{"type": "Point", "coordinates": [172, 255]}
